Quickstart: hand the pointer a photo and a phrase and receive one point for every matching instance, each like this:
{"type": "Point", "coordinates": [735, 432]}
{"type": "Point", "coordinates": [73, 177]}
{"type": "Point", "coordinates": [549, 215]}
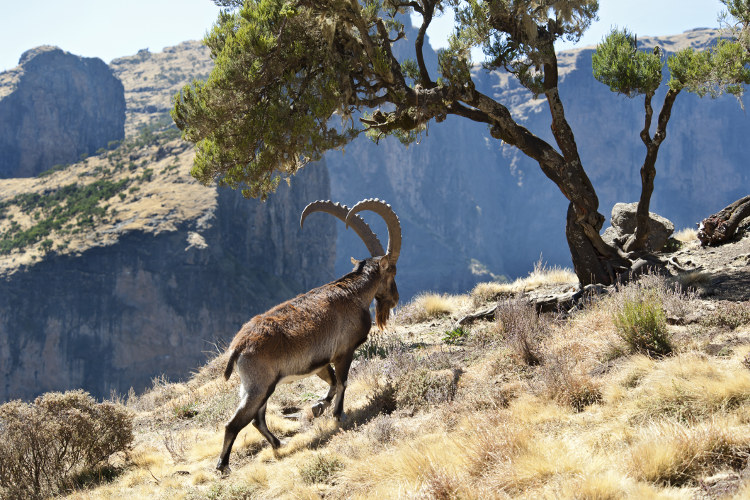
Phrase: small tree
{"type": "Point", "coordinates": [284, 68]}
{"type": "Point", "coordinates": [626, 70]}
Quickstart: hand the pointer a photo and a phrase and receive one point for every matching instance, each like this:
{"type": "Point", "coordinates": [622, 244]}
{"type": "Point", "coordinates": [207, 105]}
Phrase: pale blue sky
{"type": "Point", "coordinates": [110, 29]}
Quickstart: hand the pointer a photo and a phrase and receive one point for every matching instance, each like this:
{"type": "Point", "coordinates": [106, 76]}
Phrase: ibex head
{"type": "Point", "coordinates": [384, 263]}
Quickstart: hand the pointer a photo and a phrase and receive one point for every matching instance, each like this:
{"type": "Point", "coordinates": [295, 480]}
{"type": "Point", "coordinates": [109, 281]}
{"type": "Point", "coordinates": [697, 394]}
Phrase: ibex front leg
{"type": "Point", "coordinates": [342, 374]}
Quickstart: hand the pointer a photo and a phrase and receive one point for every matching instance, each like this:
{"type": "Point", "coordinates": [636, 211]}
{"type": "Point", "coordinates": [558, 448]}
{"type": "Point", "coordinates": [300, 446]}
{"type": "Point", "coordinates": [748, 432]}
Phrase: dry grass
{"type": "Point", "coordinates": [429, 419]}
{"type": "Point", "coordinates": [428, 306]}
{"type": "Point", "coordinates": [539, 277]}
{"type": "Point", "coordinates": [686, 235]}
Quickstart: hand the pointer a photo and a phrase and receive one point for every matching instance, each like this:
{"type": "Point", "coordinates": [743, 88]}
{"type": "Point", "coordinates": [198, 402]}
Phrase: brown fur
{"type": "Point", "coordinates": [316, 332]}
{"type": "Point", "coordinates": [230, 364]}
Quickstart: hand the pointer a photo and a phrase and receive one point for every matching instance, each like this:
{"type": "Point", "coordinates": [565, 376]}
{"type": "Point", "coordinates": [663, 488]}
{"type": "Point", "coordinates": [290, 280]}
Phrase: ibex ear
{"type": "Point", "coordinates": [356, 263]}
{"type": "Point", "coordinates": [384, 263]}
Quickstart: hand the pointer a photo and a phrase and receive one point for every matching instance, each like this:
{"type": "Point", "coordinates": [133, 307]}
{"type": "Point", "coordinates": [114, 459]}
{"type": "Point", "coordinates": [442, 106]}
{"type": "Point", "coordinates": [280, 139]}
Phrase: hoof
{"type": "Point", "coordinates": [318, 409]}
{"type": "Point", "coordinates": [223, 468]}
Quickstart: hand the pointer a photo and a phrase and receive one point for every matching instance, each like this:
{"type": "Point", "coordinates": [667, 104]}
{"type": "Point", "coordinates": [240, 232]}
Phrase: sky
{"type": "Point", "coordinates": [110, 29]}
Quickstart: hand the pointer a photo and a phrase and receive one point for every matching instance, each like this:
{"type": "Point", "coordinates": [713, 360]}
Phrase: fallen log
{"type": "Point", "coordinates": [721, 227]}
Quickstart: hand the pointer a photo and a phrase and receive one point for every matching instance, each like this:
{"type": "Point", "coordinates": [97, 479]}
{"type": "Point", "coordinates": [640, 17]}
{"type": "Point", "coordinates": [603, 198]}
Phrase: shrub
{"type": "Point", "coordinates": [422, 387]}
{"type": "Point", "coordinates": [642, 324]}
{"type": "Point", "coordinates": [523, 329]}
{"type": "Point", "coordinates": [566, 386]}
{"type": "Point", "coordinates": [320, 469]}
{"type": "Point", "coordinates": [729, 315]}
{"type": "Point", "coordinates": [50, 444]}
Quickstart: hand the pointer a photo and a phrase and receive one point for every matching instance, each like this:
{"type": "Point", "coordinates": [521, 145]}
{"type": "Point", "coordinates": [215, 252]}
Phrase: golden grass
{"type": "Point", "coordinates": [656, 429]}
{"type": "Point", "coordinates": [687, 387]}
{"type": "Point", "coordinates": [540, 276]}
{"type": "Point", "coordinates": [674, 453]}
{"type": "Point", "coordinates": [686, 235]}
{"type": "Point", "coordinates": [427, 306]}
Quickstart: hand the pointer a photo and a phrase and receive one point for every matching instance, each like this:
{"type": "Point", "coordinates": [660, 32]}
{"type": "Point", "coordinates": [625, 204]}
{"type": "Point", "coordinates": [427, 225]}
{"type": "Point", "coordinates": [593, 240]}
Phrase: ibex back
{"type": "Point", "coordinates": [317, 332]}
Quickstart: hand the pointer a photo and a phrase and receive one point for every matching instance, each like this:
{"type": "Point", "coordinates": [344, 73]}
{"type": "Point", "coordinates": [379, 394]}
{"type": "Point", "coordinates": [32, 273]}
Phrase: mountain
{"type": "Point", "coordinates": [145, 268]}
{"type": "Point", "coordinates": [471, 205]}
{"type": "Point", "coordinates": [121, 266]}
{"type": "Point", "coordinates": [50, 117]}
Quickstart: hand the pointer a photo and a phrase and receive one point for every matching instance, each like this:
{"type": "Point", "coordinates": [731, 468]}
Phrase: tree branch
{"type": "Point", "coordinates": [646, 132]}
{"type": "Point", "coordinates": [427, 14]}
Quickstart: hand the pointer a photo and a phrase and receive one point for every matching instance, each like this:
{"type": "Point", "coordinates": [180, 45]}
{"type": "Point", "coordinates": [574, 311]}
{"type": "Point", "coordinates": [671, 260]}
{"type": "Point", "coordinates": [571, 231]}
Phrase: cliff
{"type": "Point", "coordinates": [121, 267]}
{"type": "Point", "coordinates": [55, 107]}
{"type": "Point", "coordinates": [473, 207]}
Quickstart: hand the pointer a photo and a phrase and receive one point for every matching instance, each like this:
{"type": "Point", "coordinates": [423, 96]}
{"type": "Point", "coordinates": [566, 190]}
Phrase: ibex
{"type": "Point", "coordinates": [311, 332]}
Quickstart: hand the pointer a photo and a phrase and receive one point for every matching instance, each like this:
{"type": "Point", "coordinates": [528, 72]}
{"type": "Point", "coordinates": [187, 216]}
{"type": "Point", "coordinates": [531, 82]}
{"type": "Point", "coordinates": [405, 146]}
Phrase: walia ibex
{"type": "Point", "coordinates": [320, 328]}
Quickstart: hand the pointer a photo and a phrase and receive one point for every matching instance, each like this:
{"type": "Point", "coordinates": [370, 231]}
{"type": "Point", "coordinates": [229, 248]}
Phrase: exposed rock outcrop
{"type": "Point", "coordinates": [55, 107]}
{"type": "Point", "coordinates": [153, 287]}
{"type": "Point", "coordinates": [624, 223]}
{"type": "Point", "coordinates": [122, 267]}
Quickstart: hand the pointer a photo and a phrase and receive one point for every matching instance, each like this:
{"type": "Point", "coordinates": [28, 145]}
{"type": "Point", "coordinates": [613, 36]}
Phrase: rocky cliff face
{"type": "Point", "coordinates": [121, 267]}
{"type": "Point", "coordinates": [470, 204]}
{"type": "Point", "coordinates": [55, 107]}
{"type": "Point", "coordinates": [160, 296]}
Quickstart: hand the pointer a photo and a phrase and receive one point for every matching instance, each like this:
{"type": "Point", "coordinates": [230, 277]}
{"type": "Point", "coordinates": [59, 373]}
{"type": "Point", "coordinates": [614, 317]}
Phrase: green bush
{"type": "Point", "coordinates": [53, 444]}
{"type": "Point", "coordinates": [320, 469]}
{"type": "Point", "coordinates": [422, 387]}
{"type": "Point", "coordinates": [455, 336]}
{"type": "Point", "coordinates": [642, 324]}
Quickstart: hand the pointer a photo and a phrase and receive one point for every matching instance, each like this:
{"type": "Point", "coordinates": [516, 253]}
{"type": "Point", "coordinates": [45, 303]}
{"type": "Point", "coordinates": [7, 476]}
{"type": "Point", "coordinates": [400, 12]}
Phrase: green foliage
{"type": "Point", "coordinates": [320, 469]}
{"type": "Point", "coordinates": [619, 64]}
{"type": "Point", "coordinates": [69, 203]}
{"type": "Point", "coordinates": [455, 336]}
{"type": "Point", "coordinates": [519, 35]}
{"type": "Point", "coordinates": [52, 444]}
{"type": "Point", "coordinates": [265, 111]}
{"type": "Point", "coordinates": [642, 324]}
{"type": "Point", "coordinates": [718, 70]}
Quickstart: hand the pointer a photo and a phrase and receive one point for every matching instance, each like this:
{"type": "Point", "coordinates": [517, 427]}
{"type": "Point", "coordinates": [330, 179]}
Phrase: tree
{"type": "Point", "coordinates": [620, 65]}
{"type": "Point", "coordinates": [284, 68]}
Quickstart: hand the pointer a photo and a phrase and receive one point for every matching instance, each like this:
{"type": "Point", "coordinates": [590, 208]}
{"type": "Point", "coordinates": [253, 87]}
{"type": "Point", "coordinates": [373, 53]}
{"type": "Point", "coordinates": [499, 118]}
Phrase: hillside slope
{"type": "Point", "coordinates": [523, 406]}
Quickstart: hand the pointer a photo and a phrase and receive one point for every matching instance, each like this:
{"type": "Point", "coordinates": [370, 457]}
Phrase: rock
{"type": "Point", "coordinates": [55, 107]}
{"type": "Point", "coordinates": [159, 299]}
{"type": "Point", "coordinates": [624, 222]}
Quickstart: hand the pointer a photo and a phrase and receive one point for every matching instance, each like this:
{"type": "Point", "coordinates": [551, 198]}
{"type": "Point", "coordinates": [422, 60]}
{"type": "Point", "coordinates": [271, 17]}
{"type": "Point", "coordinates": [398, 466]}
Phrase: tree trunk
{"type": "Point", "coordinates": [648, 170]}
{"type": "Point", "coordinates": [720, 227]}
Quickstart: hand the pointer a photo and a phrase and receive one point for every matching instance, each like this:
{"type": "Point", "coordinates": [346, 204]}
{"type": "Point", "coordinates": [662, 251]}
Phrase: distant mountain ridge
{"type": "Point", "coordinates": [121, 267]}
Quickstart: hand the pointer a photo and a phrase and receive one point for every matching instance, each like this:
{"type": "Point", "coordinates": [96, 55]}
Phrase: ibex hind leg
{"type": "Point", "coordinates": [250, 404]}
{"type": "Point", "coordinates": [328, 375]}
{"type": "Point", "coordinates": [260, 423]}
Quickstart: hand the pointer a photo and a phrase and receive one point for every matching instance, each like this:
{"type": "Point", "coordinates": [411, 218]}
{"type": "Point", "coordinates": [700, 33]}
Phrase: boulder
{"type": "Point", "coordinates": [624, 222]}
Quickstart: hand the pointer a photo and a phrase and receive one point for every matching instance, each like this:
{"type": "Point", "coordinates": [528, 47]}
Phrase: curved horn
{"type": "Point", "coordinates": [391, 219]}
{"type": "Point", "coordinates": [340, 212]}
